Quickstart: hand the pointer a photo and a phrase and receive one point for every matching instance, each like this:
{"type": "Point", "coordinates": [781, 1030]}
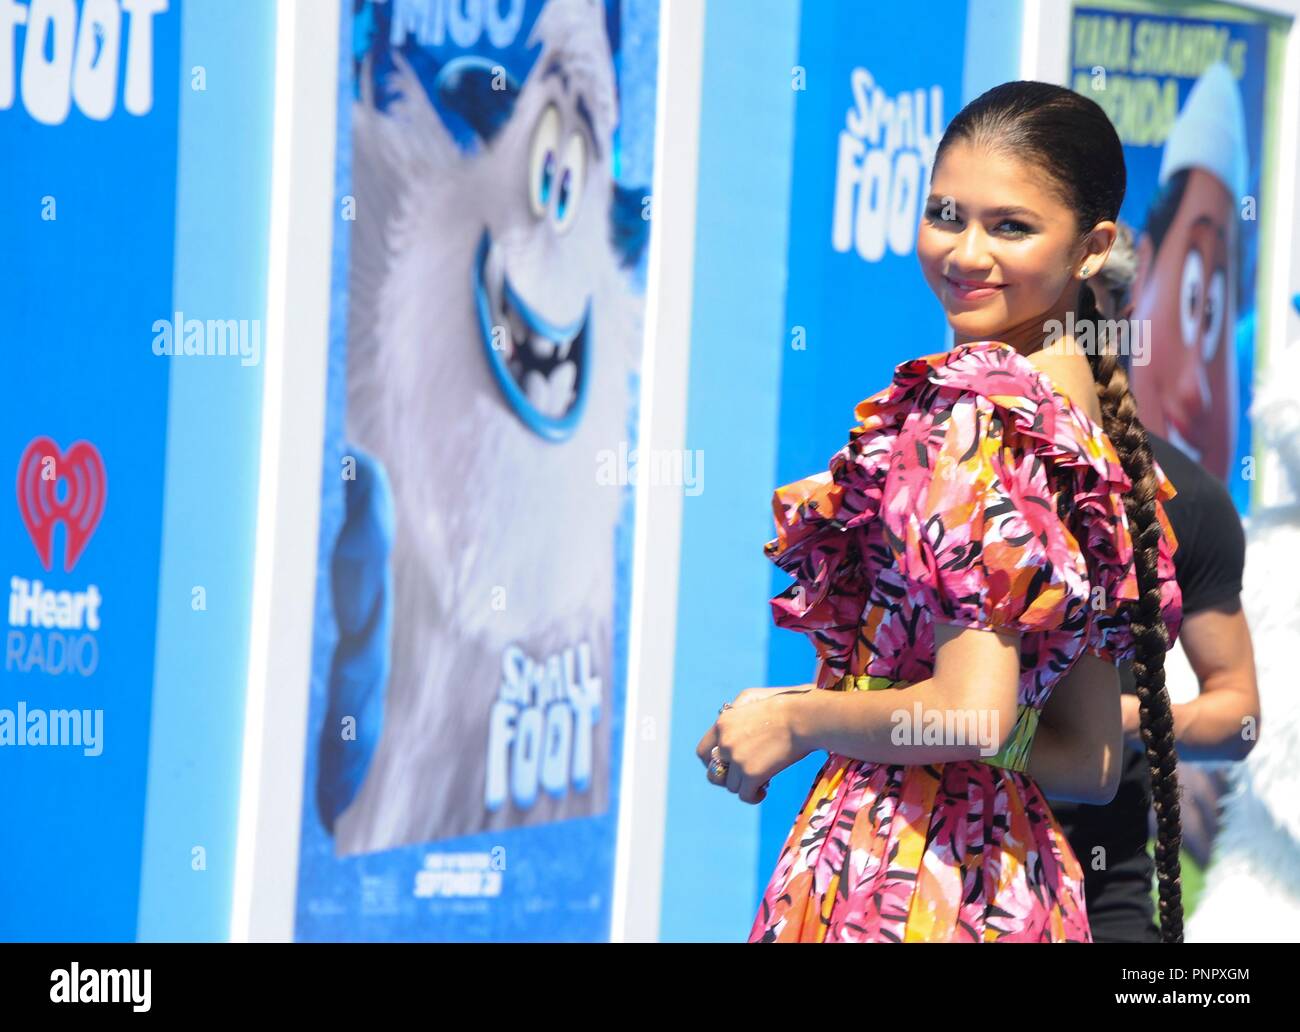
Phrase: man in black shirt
{"type": "Point", "coordinates": [1110, 841]}
{"type": "Point", "coordinates": [1209, 562]}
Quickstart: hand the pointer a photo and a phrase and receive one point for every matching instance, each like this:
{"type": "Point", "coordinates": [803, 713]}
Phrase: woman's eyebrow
{"type": "Point", "coordinates": [1004, 211]}
{"type": "Point", "coordinates": [1013, 210]}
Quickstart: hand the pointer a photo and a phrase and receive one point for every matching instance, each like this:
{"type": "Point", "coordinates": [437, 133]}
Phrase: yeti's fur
{"type": "Point", "coordinates": [486, 509]}
{"type": "Point", "coordinates": [1252, 888]}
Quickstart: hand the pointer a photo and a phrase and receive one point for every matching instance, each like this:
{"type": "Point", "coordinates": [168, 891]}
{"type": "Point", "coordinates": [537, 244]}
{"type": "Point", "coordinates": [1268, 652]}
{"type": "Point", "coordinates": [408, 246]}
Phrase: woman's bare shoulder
{"type": "Point", "coordinates": [1072, 376]}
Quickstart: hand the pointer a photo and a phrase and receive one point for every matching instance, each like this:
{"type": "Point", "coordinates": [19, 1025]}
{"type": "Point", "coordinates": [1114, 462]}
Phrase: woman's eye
{"type": "Point", "coordinates": [1013, 228]}
{"type": "Point", "coordinates": [935, 217]}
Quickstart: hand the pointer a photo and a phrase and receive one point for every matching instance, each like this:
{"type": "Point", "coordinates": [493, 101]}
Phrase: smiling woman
{"type": "Point", "coordinates": [1001, 270]}
{"type": "Point", "coordinates": [993, 532]}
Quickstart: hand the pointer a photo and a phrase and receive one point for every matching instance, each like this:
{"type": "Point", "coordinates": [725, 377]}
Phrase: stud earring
{"type": "Point", "coordinates": [1085, 270]}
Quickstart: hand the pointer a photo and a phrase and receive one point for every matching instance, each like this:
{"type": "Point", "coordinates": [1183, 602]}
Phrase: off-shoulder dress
{"type": "Point", "coordinates": [971, 492]}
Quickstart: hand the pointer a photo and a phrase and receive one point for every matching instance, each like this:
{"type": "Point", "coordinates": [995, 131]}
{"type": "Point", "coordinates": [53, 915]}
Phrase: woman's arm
{"type": "Point", "coordinates": [1078, 746]}
{"type": "Point", "coordinates": [969, 704]}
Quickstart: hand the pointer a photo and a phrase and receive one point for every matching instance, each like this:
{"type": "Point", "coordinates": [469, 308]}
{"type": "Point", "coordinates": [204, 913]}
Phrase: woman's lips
{"type": "Point", "coordinates": [972, 290]}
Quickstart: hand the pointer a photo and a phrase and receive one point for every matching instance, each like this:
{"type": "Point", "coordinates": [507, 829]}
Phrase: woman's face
{"type": "Point", "coordinates": [1000, 251]}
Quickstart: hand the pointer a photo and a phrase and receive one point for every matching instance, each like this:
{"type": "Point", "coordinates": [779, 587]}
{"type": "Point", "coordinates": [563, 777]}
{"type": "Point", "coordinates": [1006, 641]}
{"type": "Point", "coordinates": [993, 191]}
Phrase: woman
{"type": "Point", "coordinates": [979, 556]}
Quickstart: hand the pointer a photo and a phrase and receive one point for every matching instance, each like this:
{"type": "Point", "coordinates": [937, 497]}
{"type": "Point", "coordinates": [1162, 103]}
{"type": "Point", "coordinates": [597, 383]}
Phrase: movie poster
{"type": "Point", "coordinates": [495, 161]}
{"type": "Point", "coordinates": [1188, 96]}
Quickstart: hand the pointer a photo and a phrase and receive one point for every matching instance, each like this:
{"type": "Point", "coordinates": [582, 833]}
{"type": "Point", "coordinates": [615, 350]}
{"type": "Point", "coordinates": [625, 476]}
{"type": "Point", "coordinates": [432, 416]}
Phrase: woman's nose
{"type": "Point", "coordinates": [970, 251]}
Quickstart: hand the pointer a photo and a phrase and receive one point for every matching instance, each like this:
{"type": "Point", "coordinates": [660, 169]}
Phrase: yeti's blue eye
{"type": "Point", "coordinates": [543, 161]}
{"type": "Point", "coordinates": [572, 178]}
{"type": "Point", "coordinates": [563, 205]}
{"type": "Point", "coordinates": [548, 177]}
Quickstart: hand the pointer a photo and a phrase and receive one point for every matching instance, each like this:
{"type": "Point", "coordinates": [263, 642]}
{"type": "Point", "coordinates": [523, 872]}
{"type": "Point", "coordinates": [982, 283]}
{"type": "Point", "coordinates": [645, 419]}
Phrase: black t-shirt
{"type": "Point", "coordinates": [1209, 561]}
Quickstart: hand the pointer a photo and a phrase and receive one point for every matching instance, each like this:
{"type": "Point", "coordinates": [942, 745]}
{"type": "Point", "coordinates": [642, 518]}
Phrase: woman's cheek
{"type": "Point", "coordinates": [929, 268]}
{"type": "Point", "coordinates": [1032, 292]}
{"type": "Point", "coordinates": [925, 251]}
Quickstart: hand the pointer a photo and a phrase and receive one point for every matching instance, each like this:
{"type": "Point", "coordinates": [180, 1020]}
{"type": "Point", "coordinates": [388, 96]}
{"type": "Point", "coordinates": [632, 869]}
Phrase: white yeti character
{"type": "Point", "coordinates": [491, 339]}
{"type": "Point", "coordinates": [1252, 887]}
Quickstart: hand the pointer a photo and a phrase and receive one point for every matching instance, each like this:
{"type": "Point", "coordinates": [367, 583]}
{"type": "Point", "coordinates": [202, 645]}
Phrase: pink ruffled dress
{"type": "Point", "coordinates": [971, 492]}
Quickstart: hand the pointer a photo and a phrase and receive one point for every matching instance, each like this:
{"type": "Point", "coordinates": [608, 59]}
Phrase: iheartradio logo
{"type": "Point", "coordinates": [68, 487]}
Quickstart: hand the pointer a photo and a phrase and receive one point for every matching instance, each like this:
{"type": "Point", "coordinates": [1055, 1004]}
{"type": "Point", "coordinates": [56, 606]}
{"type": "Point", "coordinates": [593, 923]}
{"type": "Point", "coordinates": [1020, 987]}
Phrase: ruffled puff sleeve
{"type": "Point", "coordinates": [820, 522]}
{"type": "Point", "coordinates": [973, 515]}
{"type": "Point", "coordinates": [1116, 592]}
{"type": "Point", "coordinates": [959, 494]}
{"type": "Point", "coordinates": [971, 491]}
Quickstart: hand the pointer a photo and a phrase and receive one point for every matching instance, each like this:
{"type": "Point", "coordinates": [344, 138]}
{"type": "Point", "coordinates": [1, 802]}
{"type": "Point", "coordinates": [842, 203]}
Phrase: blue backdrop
{"type": "Point", "coordinates": [121, 205]}
{"type": "Point", "coordinates": [87, 209]}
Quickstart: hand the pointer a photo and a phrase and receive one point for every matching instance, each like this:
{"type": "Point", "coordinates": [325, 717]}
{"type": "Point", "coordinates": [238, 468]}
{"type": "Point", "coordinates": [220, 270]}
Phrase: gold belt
{"type": "Point", "coordinates": [1012, 756]}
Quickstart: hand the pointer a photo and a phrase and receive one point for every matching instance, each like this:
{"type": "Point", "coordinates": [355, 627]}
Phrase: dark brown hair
{"type": "Point", "coordinates": [1069, 139]}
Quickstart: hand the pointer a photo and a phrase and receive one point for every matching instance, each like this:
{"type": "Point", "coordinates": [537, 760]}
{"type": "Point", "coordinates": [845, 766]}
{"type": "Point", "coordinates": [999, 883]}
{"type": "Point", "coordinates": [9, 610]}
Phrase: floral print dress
{"type": "Point", "coordinates": [971, 492]}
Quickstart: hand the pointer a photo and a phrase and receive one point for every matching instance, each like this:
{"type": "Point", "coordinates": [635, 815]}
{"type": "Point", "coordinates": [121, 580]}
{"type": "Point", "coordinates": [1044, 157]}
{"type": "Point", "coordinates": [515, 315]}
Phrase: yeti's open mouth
{"type": "Point", "coordinates": [540, 367]}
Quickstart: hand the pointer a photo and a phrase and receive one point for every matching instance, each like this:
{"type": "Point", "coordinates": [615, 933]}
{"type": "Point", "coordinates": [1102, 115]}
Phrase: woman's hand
{"type": "Point", "coordinates": [756, 739]}
{"type": "Point", "coordinates": [755, 694]}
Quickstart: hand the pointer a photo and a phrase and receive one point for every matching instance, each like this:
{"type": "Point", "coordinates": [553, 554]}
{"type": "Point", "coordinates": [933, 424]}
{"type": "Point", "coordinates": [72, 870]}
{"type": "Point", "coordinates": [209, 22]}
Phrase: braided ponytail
{"type": "Point", "coordinates": [1150, 634]}
{"type": "Point", "coordinates": [1068, 139]}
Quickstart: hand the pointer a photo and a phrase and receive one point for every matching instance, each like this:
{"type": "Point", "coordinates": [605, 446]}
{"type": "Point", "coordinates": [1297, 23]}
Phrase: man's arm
{"type": "Point", "coordinates": [1213, 726]}
{"type": "Point", "coordinates": [1210, 559]}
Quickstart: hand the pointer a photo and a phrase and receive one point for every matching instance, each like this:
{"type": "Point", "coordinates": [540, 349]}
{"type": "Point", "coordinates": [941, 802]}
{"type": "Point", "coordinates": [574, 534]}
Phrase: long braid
{"type": "Point", "coordinates": [1070, 142]}
{"type": "Point", "coordinates": [1150, 634]}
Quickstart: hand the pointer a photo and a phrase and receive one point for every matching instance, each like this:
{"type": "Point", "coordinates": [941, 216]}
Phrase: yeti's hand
{"type": "Point", "coordinates": [361, 583]}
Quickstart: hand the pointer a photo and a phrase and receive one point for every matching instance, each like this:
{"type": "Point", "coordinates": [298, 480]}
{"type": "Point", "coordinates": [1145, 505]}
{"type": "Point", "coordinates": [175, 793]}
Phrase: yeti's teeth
{"type": "Point", "coordinates": [552, 396]}
{"type": "Point", "coordinates": [562, 378]}
{"type": "Point", "coordinates": [518, 329]}
{"type": "Point", "coordinates": [543, 347]}
{"type": "Point", "coordinates": [538, 391]}
{"type": "Point", "coordinates": [563, 351]}
{"type": "Point", "coordinates": [562, 382]}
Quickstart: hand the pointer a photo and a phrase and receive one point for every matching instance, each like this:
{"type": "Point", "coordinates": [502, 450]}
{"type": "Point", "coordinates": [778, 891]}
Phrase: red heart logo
{"type": "Point", "coordinates": [40, 472]}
